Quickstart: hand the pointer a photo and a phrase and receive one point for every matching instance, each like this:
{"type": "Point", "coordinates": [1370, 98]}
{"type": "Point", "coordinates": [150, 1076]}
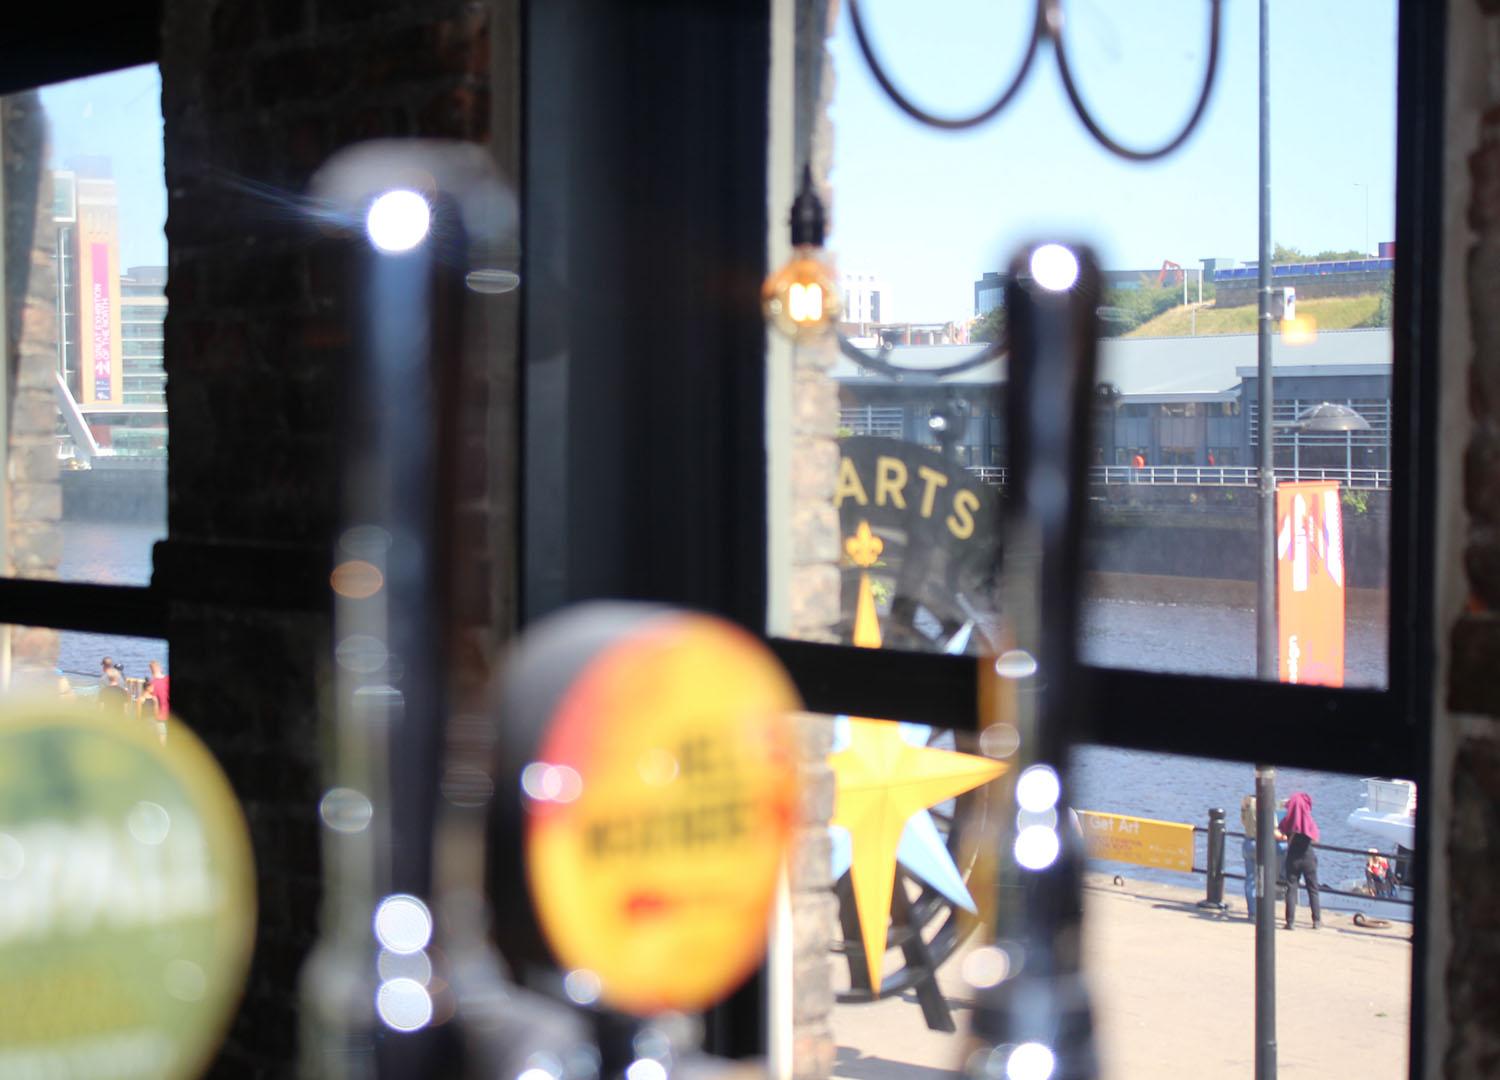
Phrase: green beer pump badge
{"type": "Point", "coordinates": [127, 907]}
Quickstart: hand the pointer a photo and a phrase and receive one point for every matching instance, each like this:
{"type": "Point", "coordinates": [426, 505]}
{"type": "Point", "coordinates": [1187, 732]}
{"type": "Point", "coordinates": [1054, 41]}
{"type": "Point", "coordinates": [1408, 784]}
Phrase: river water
{"type": "Point", "coordinates": [107, 553]}
{"type": "Point", "coordinates": [1203, 639]}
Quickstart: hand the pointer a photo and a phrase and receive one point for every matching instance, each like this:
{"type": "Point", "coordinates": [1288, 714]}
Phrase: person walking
{"type": "Point", "coordinates": [1247, 852]}
{"type": "Point", "coordinates": [1301, 860]}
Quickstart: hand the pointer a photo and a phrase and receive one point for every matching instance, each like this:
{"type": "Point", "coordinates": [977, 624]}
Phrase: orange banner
{"type": "Point", "coordinates": [1310, 582]}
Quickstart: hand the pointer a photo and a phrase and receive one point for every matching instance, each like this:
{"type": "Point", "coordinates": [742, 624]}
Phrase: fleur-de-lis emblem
{"type": "Point", "coordinates": [864, 547]}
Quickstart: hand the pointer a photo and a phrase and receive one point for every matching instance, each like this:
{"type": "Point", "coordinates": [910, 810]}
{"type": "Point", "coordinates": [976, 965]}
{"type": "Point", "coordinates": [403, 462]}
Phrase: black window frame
{"type": "Point", "coordinates": [643, 462]}
{"type": "Point", "coordinates": [40, 49]}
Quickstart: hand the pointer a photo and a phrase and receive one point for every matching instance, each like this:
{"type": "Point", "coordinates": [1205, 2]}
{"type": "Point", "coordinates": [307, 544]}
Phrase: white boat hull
{"type": "Point", "coordinates": [1398, 828]}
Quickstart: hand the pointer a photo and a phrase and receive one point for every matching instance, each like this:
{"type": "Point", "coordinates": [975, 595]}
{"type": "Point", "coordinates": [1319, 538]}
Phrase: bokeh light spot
{"type": "Point", "coordinates": [403, 924]}
{"type": "Point", "coordinates": [403, 1004]}
{"type": "Point", "coordinates": [1038, 788]}
{"type": "Point", "coordinates": [1054, 267]}
{"type": "Point", "coordinates": [1030, 1061]}
{"type": "Point", "coordinates": [398, 221]}
{"type": "Point", "coordinates": [345, 810]}
{"type": "Point", "coordinates": [1037, 847]}
{"type": "Point", "coordinates": [356, 579]}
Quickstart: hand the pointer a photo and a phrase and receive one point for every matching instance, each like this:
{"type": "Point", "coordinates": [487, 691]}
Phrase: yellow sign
{"type": "Point", "coordinates": [659, 810]}
{"type": "Point", "coordinates": [126, 897]}
{"type": "Point", "coordinates": [1167, 845]}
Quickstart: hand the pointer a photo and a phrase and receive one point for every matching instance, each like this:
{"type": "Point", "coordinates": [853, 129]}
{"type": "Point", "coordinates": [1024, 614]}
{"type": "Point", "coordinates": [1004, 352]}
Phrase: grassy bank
{"type": "Point", "coordinates": [1330, 313]}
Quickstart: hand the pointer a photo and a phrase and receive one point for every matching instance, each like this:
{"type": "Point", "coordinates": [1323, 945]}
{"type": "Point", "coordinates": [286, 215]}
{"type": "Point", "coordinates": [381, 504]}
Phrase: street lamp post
{"type": "Point", "coordinates": [1265, 608]}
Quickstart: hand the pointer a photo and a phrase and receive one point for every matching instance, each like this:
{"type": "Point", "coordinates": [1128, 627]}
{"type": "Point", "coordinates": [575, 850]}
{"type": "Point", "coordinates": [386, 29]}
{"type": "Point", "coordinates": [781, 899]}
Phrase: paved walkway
{"type": "Point", "coordinates": [1174, 993]}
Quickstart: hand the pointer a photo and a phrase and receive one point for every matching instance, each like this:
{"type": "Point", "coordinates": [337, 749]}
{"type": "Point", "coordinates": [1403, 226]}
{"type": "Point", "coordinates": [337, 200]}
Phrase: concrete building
{"type": "Point", "coordinates": [1174, 401]}
{"type": "Point", "coordinates": [867, 299]}
{"type": "Point", "coordinates": [110, 319]}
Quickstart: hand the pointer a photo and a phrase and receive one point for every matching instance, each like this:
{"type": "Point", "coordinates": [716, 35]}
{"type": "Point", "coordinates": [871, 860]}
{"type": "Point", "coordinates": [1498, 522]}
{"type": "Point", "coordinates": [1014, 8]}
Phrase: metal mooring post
{"type": "Point", "coordinates": [1214, 897]}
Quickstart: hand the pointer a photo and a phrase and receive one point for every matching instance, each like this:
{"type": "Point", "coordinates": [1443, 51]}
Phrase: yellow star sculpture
{"type": "Point", "coordinates": [880, 781]}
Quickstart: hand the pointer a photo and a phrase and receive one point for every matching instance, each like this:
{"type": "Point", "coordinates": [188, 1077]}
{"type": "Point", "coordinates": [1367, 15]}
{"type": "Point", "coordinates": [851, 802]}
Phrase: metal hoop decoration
{"type": "Point", "coordinates": [1049, 25]}
{"type": "Point", "coordinates": [884, 367]}
{"type": "Point", "coordinates": [916, 112]}
{"type": "Point", "coordinates": [1055, 32]}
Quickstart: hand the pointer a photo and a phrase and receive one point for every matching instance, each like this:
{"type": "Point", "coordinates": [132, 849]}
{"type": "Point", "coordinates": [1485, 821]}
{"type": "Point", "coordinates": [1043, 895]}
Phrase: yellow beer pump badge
{"type": "Point", "coordinates": [126, 897]}
{"type": "Point", "coordinates": [659, 810]}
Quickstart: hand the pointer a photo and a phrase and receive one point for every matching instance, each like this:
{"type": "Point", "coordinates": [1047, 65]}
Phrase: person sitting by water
{"type": "Point", "coordinates": [1301, 860]}
{"type": "Point", "coordinates": [1378, 874]}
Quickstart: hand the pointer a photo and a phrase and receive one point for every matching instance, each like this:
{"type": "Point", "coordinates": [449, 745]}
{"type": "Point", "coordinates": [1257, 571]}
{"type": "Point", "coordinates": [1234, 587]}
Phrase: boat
{"type": "Point", "coordinates": [1389, 814]}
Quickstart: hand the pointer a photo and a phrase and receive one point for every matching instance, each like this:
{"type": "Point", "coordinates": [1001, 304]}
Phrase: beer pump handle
{"type": "Point", "coordinates": [1042, 1011]}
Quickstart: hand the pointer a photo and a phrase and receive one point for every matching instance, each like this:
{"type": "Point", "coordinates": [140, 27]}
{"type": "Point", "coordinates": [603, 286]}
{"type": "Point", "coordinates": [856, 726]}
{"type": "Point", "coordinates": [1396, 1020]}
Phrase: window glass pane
{"type": "Point", "coordinates": [1158, 957]}
{"type": "Point", "coordinates": [1171, 978]}
{"type": "Point", "coordinates": [77, 665]}
{"type": "Point", "coordinates": [88, 419]}
{"type": "Point", "coordinates": [931, 917]}
{"type": "Point", "coordinates": [926, 221]}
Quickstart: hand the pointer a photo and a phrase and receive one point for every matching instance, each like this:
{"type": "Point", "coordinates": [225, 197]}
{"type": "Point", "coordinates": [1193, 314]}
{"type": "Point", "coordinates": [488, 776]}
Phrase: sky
{"type": "Point", "coordinates": [118, 115]}
{"type": "Point", "coordinates": [930, 211]}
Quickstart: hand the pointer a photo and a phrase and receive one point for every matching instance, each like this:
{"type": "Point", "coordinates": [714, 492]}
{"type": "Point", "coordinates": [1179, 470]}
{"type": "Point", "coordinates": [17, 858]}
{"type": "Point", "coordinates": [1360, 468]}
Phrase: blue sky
{"type": "Point", "coordinates": [930, 211]}
{"type": "Point", "coordinates": [118, 115]}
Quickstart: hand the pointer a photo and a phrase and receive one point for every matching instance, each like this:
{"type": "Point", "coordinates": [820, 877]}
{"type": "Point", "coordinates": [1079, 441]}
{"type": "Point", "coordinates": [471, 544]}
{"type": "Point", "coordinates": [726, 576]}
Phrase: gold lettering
{"type": "Point", "coordinates": [961, 521]}
{"type": "Point", "coordinates": [890, 479]}
{"type": "Point", "coordinates": [849, 484]}
{"type": "Point", "coordinates": [934, 480]}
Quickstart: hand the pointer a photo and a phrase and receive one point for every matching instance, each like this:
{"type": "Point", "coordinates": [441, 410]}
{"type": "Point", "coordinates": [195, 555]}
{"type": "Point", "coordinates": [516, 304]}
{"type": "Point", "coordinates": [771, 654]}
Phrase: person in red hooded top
{"type": "Point", "coordinates": [1301, 860]}
{"type": "Point", "coordinates": [160, 689]}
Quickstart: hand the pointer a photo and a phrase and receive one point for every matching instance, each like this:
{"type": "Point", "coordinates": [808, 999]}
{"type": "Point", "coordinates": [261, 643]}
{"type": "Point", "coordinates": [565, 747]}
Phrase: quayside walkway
{"type": "Point", "coordinates": [1174, 995]}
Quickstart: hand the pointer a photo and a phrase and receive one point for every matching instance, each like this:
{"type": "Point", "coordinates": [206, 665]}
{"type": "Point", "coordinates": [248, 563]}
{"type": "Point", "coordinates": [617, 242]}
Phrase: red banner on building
{"type": "Point", "coordinates": [100, 323]}
{"type": "Point", "coordinates": [1310, 582]}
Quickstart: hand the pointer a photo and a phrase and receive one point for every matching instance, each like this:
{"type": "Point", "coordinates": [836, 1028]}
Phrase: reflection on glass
{"type": "Point", "coordinates": [909, 950]}
{"type": "Point", "coordinates": [1157, 953]}
{"type": "Point", "coordinates": [923, 220]}
{"type": "Point", "coordinates": [88, 420]}
{"type": "Point", "coordinates": [127, 676]}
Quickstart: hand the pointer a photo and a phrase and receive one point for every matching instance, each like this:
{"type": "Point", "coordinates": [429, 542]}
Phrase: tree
{"type": "Point", "coordinates": [990, 326]}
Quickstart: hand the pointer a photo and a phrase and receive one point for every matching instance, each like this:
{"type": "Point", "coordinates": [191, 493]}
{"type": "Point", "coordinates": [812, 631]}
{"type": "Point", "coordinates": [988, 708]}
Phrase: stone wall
{"type": "Point", "coordinates": [1462, 981]}
{"type": "Point", "coordinates": [33, 499]}
{"type": "Point", "coordinates": [255, 98]}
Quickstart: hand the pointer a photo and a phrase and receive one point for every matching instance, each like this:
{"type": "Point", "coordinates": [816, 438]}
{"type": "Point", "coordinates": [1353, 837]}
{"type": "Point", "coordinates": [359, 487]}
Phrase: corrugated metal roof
{"type": "Point", "coordinates": [1206, 368]}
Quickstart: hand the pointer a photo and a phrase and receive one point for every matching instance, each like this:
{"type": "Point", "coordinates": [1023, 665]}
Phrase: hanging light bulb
{"type": "Point", "coordinates": [802, 299]}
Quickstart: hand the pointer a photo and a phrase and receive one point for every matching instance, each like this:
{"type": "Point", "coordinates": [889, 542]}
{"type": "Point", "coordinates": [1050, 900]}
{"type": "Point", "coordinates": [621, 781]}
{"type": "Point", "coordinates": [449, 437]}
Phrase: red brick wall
{"type": "Point", "coordinates": [256, 96]}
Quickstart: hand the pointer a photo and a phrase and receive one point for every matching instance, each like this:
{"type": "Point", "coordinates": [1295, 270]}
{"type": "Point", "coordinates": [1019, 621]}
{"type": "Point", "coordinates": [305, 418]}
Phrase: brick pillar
{"type": "Point", "coordinates": [255, 98]}
{"type": "Point", "coordinates": [1465, 800]}
{"type": "Point", "coordinates": [816, 547]}
{"type": "Point", "coordinates": [33, 497]}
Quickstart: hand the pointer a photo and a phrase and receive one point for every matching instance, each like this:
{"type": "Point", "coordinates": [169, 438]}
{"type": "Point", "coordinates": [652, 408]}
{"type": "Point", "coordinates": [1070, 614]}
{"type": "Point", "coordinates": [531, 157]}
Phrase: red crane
{"type": "Point", "coordinates": [1175, 269]}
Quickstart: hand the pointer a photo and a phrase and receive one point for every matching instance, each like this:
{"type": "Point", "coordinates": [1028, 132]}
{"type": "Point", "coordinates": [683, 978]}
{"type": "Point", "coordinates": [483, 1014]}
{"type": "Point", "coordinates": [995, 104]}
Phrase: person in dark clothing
{"type": "Point", "coordinates": [1301, 860]}
{"type": "Point", "coordinates": [112, 696]}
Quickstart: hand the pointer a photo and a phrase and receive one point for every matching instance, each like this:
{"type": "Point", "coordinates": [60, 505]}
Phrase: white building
{"type": "Point", "coordinates": [867, 298]}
